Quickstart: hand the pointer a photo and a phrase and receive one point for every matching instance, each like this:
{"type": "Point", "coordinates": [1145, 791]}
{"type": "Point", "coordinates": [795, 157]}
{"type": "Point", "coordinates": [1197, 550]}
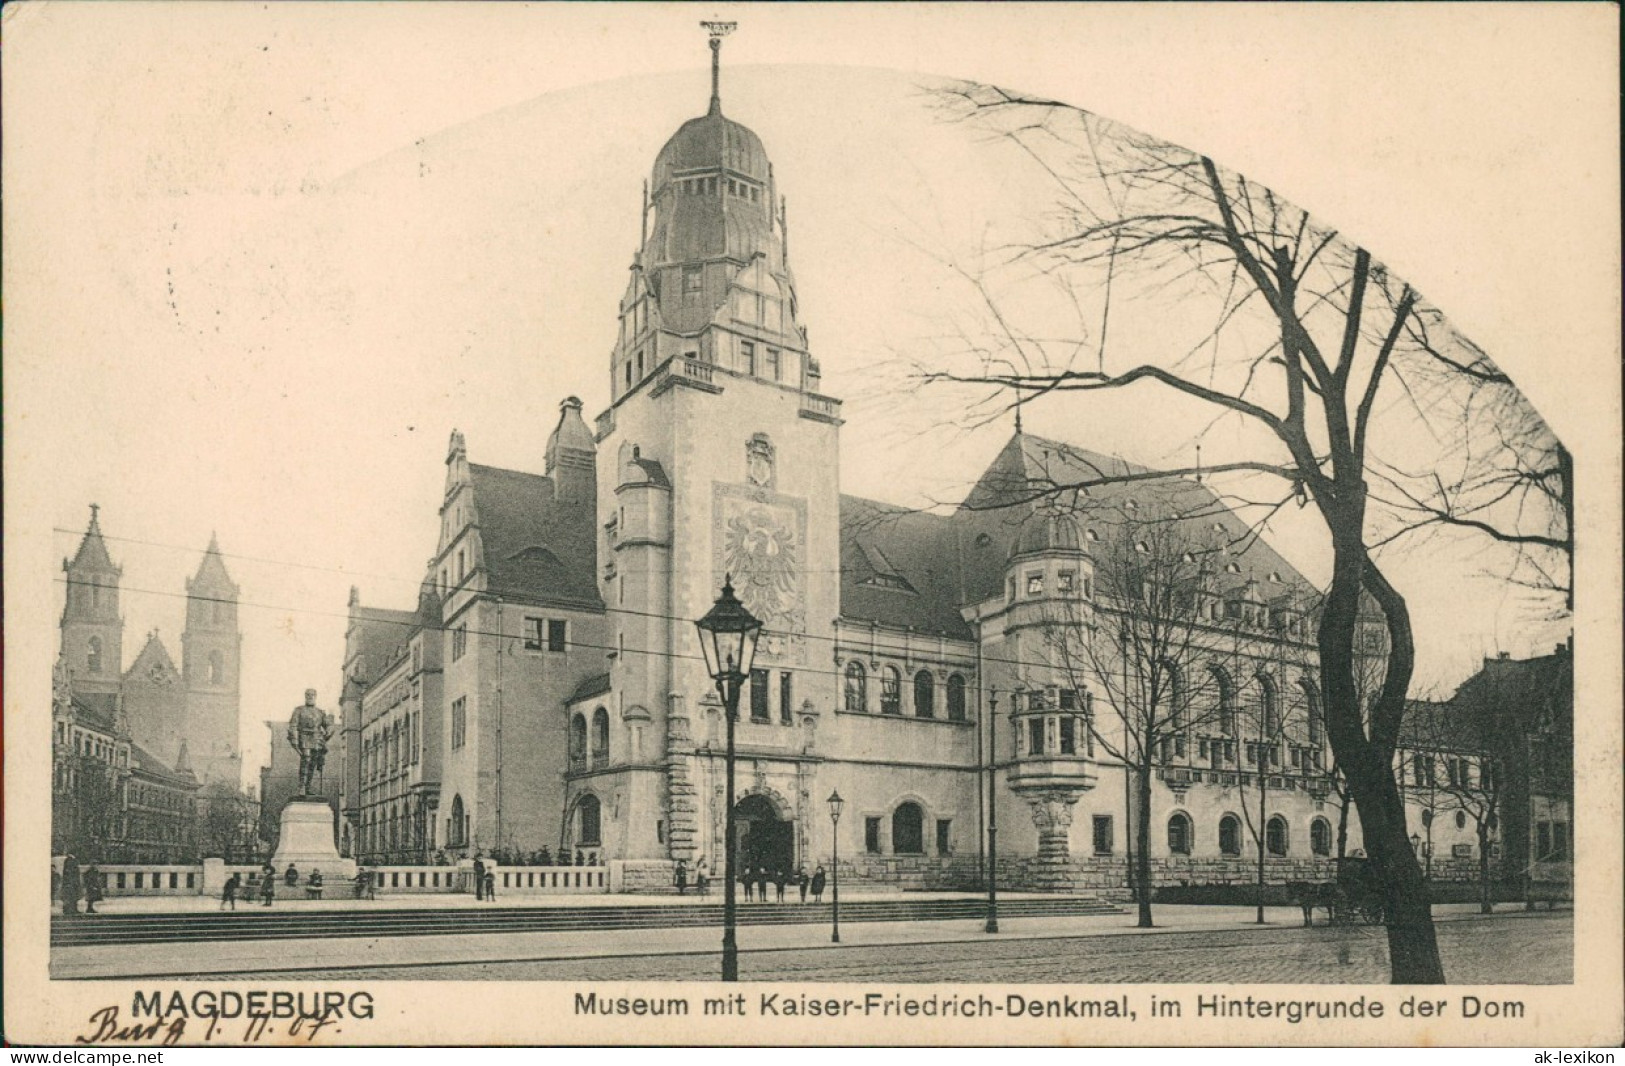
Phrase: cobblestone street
{"type": "Point", "coordinates": [1510, 949]}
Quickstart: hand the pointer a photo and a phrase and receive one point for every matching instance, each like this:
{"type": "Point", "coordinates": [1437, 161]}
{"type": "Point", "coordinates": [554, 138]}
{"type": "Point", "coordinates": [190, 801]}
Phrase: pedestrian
{"type": "Point", "coordinates": [490, 887]}
{"type": "Point", "coordinates": [313, 887]}
{"type": "Point", "coordinates": [701, 882]}
{"type": "Point", "coordinates": [228, 894]}
{"type": "Point", "coordinates": [71, 885]}
{"type": "Point", "coordinates": [268, 886]}
{"type": "Point", "coordinates": [818, 884]}
{"type": "Point", "coordinates": [801, 881]}
{"type": "Point", "coordinates": [291, 878]}
{"type": "Point", "coordinates": [681, 877]}
{"type": "Point", "coordinates": [93, 888]}
{"type": "Point", "coordinates": [750, 884]}
{"type": "Point", "coordinates": [761, 884]}
{"type": "Point", "coordinates": [546, 857]}
{"type": "Point", "coordinates": [479, 876]}
{"type": "Point", "coordinates": [779, 878]}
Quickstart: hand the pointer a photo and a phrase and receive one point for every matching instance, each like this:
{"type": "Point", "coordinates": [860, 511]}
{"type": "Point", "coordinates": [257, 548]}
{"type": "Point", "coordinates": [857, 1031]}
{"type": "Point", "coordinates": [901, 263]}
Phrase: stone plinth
{"type": "Point", "coordinates": [306, 841]}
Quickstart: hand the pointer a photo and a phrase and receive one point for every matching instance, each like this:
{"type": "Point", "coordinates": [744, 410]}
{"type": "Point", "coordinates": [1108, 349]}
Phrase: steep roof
{"type": "Point", "coordinates": [92, 553]}
{"type": "Point", "coordinates": [98, 710]}
{"type": "Point", "coordinates": [211, 578]}
{"type": "Point", "coordinates": [535, 546]}
{"type": "Point", "coordinates": [914, 569]}
{"type": "Point", "coordinates": [900, 568]}
{"type": "Point", "coordinates": [595, 685]}
{"type": "Point", "coordinates": [379, 634]}
{"type": "Point", "coordinates": [144, 761]}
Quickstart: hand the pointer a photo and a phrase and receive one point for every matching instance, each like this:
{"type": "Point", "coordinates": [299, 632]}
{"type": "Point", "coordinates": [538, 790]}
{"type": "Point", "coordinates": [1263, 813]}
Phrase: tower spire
{"type": "Point", "coordinates": [717, 30]}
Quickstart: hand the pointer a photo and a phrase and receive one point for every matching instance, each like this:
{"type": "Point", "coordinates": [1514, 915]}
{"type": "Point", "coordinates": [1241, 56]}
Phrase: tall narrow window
{"type": "Point", "coordinates": [600, 738]}
{"type": "Point", "coordinates": [891, 691]}
{"type": "Point", "coordinates": [758, 696]}
{"type": "Point", "coordinates": [956, 698]}
{"type": "Point", "coordinates": [1179, 833]}
{"type": "Point", "coordinates": [557, 632]}
{"type": "Point", "coordinates": [578, 741]}
{"type": "Point", "coordinates": [1275, 836]}
{"type": "Point", "coordinates": [786, 698]}
{"type": "Point", "coordinates": [945, 828]}
{"type": "Point", "coordinates": [856, 687]}
{"type": "Point", "coordinates": [1311, 699]}
{"type": "Point", "coordinates": [1069, 736]}
{"type": "Point", "coordinates": [459, 722]}
{"type": "Point", "coordinates": [747, 358]}
{"type": "Point", "coordinates": [772, 370]}
{"type": "Point", "coordinates": [1230, 835]}
{"type": "Point", "coordinates": [871, 835]}
{"type": "Point", "coordinates": [93, 655]}
{"type": "Point", "coordinates": [1102, 834]}
{"type": "Point", "coordinates": [217, 668]}
{"type": "Point", "coordinates": [925, 695]}
{"type": "Point", "coordinates": [1035, 736]}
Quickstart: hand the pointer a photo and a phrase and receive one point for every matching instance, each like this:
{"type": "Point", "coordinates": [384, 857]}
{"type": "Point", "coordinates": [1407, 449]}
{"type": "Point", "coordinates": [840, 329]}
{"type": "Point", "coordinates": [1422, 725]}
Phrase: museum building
{"type": "Point", "coordinates": [548, 687]}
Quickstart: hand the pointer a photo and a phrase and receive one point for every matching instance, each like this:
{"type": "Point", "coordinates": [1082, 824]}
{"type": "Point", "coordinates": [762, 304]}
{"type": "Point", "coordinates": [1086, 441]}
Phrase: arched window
{"type": "Point", "coordinates": [1320, 836]}
{"type": "Point", "coordinates": [600, 737]}
{"type": "Point", "coordinates": [925, 695]}
{"type": "Point", "coordinates": [1230, 835]}
{"type": "Point", "coordinates": [1269, 710]}
{"type": "Point", "coordinates": [588, 816]}
{"type": "Point", "coordinates": [456, 825]}
{"type": "Point", "coordinates": [891, 691]}
{"type": "Point", "coordinates": [578, 740]}
{"type": "Point", "coordinates": [908, 829]}
{"type": "Point", "coordinates": [93, 656]}
{"type": "Point", "coordinates": [1275, 836]}
{"type": "Point", "coordinates": [1172, 687]}
{"type": "Point", "coordinates": [1311, 702]}
{"type": "Point", "coordinates": [956, 698]}
{"type": "Point", "coordinates": [217, 667]}
{"type": "Point", "coordinates": [856, 688]}
{"type": "Point", "coordinates": [1179, 833]}
{"type": "Point", "coordinates": [1226, 693]}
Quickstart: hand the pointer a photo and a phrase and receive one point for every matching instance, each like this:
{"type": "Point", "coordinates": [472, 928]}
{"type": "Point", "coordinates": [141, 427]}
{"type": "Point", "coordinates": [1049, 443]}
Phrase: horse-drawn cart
{"type": "Point", "coordinates": [1354, 895]}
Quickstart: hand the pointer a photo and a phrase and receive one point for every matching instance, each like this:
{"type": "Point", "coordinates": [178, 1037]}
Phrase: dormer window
{"type": "Point", "coordinates": [1035, 584]}
{"type": "Point", "coordinates": [1232, 568]}
{"type": "Point", "coordinates": [1066, 582]}
{"type": "Point", "coordinates": [692, 278]}
{"type": "Point", "coordinates": [1091, 535]}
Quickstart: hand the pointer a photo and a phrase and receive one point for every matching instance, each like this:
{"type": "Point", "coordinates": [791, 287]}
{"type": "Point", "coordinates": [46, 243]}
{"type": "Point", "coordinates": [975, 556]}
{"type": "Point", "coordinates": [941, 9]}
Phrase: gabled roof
{"type": "Point", "coordinates": [153, 653]}
{"type": "Point", "coordinates": [535, 546]}
{"type": "Point", "coordinates": [144, 761]}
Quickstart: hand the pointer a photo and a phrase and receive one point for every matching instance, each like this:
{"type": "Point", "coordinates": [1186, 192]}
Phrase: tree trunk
{"type": "Point", "coordinates": [1142, 843]}
{"type": "Point", "coordinates": [1343, 828]}
{"type": "Point", "coordinates": [1486, 902]}
{"type": "Point", "coordinates": [1367, 763]}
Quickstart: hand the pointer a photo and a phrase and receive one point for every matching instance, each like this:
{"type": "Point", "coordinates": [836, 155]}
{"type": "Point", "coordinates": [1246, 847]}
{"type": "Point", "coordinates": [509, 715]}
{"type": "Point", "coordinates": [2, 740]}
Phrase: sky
{"type": "Point", "coordinates": [260, 263]}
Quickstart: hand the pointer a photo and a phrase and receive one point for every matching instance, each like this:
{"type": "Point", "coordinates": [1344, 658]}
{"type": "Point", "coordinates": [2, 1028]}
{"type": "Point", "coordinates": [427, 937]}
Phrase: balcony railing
{"type": "Point", "coordinates": [687, 372]}
{"type": "Point", "coordinates": [820, 408]}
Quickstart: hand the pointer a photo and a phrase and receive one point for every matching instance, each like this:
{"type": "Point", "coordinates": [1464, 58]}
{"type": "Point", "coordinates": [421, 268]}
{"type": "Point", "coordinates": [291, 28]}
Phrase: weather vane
{"type": "Point", "coordinates": [717, 30]}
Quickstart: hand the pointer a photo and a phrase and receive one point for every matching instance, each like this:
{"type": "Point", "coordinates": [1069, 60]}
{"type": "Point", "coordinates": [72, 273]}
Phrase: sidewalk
{"type": "Point", "coordinates": [287, 958]}
{"type": "Point", "coordinates": [461, 901]}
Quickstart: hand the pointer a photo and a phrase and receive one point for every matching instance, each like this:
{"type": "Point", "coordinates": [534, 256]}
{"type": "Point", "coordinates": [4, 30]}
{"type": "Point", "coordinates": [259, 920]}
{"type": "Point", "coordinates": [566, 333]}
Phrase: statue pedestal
{"type": "Point", "coordinates": [306, 841]}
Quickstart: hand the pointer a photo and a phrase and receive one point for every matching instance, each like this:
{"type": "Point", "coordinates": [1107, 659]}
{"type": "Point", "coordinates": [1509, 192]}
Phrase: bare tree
{"type": "Point", "coordinates": [1302, 334]}
{"type": "Point", "coordinates": [1143, 643]}
{"type": "Point", "coordinates": [226, 821]}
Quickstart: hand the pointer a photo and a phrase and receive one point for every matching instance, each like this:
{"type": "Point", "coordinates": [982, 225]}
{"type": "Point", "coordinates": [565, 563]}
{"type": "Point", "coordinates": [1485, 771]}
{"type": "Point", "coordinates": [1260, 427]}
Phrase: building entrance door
{"type": "Point", "coordinates": [765, 840]}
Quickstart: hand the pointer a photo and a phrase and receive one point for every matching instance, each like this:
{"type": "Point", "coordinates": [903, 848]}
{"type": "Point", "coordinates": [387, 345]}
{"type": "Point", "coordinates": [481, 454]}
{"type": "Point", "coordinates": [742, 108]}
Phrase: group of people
{"type": "Point", "coordinates": [73, 884]}
{"type": "Point", "coordinates": [265, 888]}
{"type": "Point", "coordinates": [757, 880]}
{"type": "Point", "coordinates": [516, 857]}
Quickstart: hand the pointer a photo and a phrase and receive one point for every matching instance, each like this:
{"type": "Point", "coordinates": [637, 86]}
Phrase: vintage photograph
{"type": "Point", "coordinates": [764, 522]}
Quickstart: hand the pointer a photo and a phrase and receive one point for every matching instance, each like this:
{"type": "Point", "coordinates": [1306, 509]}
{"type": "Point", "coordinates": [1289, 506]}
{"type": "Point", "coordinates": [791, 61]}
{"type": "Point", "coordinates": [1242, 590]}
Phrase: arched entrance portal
{"type": "Point", "coordinates": [765, 840]}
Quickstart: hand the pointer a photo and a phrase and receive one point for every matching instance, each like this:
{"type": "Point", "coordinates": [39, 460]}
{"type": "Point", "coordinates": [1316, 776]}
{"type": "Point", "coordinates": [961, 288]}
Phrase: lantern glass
{"type": "Point", "coordinates": [728, 635]}
{"type": "Point", "coordinates": [835, 805]}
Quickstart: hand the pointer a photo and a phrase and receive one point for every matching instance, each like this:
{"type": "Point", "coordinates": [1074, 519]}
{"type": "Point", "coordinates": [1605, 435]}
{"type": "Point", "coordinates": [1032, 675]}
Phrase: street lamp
{"type": "Point", "coordinates": [728, 635]}
{"type": "Point", "coordinates": [992, 817]}
{"type": "Point", "coordinates": [835, 804]}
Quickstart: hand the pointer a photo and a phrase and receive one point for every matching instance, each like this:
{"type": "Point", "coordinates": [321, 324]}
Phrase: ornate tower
{"type": "Point", "coordinates": [717, 456]}
{"type": "Point", "coordinates": [92, 629]}
{"type": "Point", "coordinates": [211, 654]}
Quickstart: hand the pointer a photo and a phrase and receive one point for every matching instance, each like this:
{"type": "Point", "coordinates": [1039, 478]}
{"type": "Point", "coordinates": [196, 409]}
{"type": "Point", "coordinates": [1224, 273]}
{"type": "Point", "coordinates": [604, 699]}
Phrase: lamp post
{"type": "Point", "coordinates": [1427, 845]}
{"type": "Point", "coordinates": [992, 817]}
{"type": "Point", "coordinates": [728, 635]}
{"type": "Point", "coordinates": [835, 804]}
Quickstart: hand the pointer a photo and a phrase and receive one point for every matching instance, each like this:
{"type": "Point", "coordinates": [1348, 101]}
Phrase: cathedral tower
{"type": "Point", "coordinates": [211, 654]}
{"type": "Point", "coordinates": [92, 628]}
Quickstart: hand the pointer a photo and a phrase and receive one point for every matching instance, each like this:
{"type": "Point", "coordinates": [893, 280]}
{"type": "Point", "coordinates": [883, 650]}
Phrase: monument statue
{"type": "Point", "coordinates": [308, 732]}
